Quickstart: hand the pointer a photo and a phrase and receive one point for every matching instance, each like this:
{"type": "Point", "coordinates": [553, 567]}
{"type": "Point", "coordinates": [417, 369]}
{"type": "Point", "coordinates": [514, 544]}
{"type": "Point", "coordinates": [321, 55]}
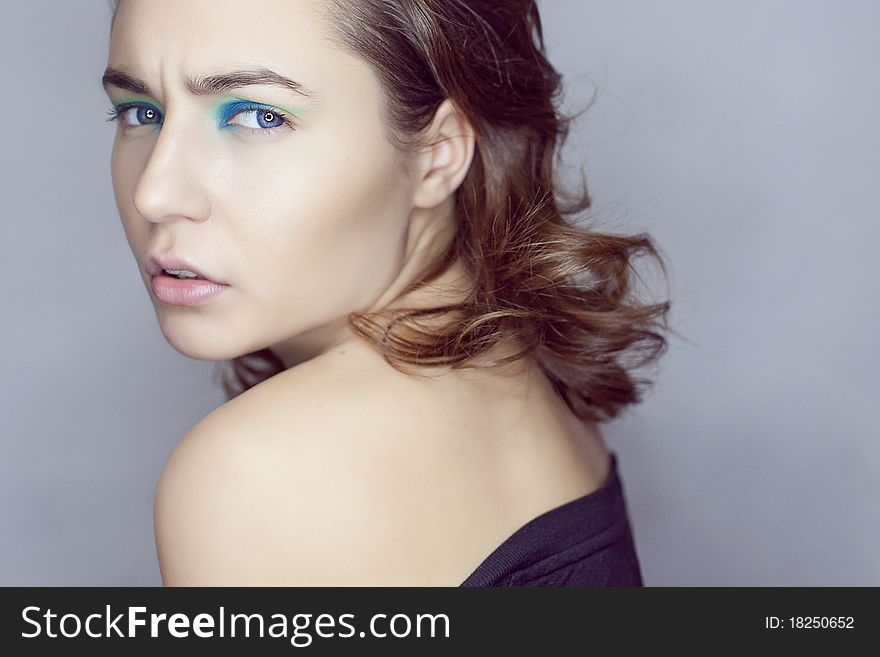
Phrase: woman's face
{"type": "Point", "coordinates": [304, 222]}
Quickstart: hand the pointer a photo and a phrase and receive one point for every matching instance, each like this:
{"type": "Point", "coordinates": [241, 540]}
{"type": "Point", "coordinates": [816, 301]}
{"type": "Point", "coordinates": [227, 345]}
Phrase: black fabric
{"type": "Point", "coordinates": [585, 542]}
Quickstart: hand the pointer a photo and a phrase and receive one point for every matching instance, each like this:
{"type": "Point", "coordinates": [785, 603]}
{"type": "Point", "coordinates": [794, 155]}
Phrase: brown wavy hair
{"type": "Point", "coordinates": [562, 292]}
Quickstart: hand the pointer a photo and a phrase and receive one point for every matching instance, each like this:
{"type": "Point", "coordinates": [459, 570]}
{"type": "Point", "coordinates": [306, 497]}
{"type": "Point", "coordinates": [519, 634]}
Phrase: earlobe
{"type": "Point", "coordinates": [447, 157]}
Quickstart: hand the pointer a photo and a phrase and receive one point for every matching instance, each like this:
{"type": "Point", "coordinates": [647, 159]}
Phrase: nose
{"type": "Point", "coordinates": [173, 182]}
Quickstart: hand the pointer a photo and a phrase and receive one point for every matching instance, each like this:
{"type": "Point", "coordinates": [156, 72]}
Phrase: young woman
{"type": "Point", "coordinates": [353, 202]}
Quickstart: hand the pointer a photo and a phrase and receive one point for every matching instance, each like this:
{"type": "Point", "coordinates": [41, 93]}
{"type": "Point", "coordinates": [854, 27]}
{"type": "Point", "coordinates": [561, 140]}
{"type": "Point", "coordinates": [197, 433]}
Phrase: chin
{"type": "Point", "coordinates": [202, 351]}
{"type": "Point", "coordinates": [200, 354]}
{"type": "Point", "coordinates": [191, 342]}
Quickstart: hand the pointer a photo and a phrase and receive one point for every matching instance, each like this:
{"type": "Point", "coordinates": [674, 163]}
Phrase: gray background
{"type": "Point", "coordinates": [742, 135]}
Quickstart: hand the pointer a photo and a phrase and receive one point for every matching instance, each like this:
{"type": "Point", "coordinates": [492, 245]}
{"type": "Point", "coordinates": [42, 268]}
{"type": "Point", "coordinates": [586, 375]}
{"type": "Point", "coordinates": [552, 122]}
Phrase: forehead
{"type": "Point", "coordinates": [168, 40]}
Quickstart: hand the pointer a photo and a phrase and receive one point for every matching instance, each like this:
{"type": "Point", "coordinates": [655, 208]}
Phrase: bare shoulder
{"type": "Point", "coordinates": [346, 472]}
{"type": "Point", "coordinates": [282, 485]}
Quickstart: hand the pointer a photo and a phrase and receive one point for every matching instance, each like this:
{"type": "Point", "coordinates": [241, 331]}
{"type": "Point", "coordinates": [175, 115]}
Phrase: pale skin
{"type": "Point", "coordinates": [340, 470]}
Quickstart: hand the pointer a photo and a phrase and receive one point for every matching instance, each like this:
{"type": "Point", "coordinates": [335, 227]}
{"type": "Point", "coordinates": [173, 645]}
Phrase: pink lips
{"type": "Point", "coordinates": [157, 263]}
{"type": "Point", "coordinates": [178, 291]}
{"type": "Point", "coordinates": [185, 292]}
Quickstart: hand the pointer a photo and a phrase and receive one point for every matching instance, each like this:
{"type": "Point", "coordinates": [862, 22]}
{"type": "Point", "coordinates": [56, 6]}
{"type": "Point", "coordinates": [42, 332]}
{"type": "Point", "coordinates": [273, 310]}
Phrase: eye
{"type": "Point", "coordinates": [141, 112]}
{"type": "Point", "coordinates": [265, 119]}
{"type": "Point", "coordinates": [268, 120]}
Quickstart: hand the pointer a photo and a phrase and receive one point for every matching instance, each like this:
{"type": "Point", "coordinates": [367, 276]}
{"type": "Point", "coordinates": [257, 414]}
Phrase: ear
{"type": "Point", "coordinates": [443, 163]}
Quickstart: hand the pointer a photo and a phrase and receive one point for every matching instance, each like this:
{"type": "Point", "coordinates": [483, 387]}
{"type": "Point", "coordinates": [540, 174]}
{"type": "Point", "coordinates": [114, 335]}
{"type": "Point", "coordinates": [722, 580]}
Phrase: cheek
{"type": "Point", "coordinates": [124, 177]}
{"type": "Point", "coordinates": [326, 231]}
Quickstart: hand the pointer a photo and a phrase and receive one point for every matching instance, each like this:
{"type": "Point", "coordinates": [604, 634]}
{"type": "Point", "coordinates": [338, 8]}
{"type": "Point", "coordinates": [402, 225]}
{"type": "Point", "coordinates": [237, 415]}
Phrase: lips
{"type": "Point", "coordinates": [157, 263]}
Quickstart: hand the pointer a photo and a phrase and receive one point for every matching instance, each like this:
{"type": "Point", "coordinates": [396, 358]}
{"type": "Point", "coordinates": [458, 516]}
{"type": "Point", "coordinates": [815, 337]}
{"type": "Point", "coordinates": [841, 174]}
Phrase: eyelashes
{"type": "Point", "coordinates": [143, 111]}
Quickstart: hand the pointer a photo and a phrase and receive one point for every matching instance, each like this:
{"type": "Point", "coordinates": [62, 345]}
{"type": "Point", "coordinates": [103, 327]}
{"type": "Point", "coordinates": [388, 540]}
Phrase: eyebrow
{"type": "Point", "coordinates": [211, 84]}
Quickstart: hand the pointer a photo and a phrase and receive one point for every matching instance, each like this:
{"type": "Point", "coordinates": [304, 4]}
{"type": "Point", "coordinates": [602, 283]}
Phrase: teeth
{"type": "Point", "coordinates": [182, 273]}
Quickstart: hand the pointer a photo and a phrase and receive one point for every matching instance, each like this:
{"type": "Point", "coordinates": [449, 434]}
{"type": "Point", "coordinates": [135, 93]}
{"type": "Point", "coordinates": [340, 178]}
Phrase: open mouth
{"type": "Point", "coordinates": [182, 274]}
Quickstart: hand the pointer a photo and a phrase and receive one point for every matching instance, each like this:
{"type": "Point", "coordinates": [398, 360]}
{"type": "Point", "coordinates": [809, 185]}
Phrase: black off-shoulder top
{"type": "Point", "coordinates": [585, 542]}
